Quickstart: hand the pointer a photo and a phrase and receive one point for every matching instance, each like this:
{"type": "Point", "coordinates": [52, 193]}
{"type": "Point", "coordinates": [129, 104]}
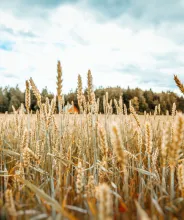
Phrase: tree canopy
{"type": "Point", "coordinates": [142, 100]}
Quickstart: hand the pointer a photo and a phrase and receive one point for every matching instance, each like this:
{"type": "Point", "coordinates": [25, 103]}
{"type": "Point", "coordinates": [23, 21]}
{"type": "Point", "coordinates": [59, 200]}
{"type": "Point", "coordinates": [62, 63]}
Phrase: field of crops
{"type": "Point", "coordinates": [90, 165]}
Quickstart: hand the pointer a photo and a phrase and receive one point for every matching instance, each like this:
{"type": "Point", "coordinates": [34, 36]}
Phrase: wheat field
{"type": "Point", "coordinates": [90, 165]}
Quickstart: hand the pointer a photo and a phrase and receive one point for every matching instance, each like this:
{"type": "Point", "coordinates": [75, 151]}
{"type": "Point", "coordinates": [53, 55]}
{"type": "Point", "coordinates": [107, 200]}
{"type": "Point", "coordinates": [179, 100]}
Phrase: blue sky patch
{"type": "Point", "coordinates": [6, 45]}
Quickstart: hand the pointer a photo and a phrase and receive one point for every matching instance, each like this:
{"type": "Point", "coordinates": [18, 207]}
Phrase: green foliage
{"type": "Point", "coordinates": [142, 100]}
{"type": "Point", "coordinates": [14, 96]}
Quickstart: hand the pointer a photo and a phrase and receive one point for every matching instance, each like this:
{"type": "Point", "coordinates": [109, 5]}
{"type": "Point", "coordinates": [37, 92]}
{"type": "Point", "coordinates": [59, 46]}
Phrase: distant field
{"type": "Point", "coordinates": [111, 118]}
{"type": "Point", "coordinates": [81, 159]}
{"type": "Point", "coordinates": [89, 165]}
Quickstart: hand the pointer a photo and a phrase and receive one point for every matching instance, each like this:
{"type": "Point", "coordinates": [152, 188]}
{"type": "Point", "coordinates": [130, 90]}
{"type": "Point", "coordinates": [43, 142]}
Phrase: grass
{"type": "Point", "coordinates": [88, 165]}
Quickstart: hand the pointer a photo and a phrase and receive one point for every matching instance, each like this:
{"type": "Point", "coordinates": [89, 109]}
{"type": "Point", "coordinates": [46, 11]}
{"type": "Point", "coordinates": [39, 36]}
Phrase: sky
{"type": "Point", "coordinates": [123, 42]}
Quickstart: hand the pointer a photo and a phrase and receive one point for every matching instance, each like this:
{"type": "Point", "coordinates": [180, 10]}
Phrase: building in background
{"type": "Point", "coordinates": [70, 109]}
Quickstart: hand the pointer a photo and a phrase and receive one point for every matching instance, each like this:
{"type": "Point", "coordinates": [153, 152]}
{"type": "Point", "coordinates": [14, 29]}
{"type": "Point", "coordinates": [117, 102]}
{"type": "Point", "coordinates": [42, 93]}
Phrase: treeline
{"type": "Point", "coordinates": [142, 100]}
{"type": "Point", "coordinates": [14, 96]}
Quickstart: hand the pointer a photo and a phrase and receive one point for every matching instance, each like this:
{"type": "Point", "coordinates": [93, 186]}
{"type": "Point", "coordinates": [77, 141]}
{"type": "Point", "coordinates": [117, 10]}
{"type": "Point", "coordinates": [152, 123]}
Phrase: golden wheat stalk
{"type": "Point", "coordinates": [174, 150]}
{"type": "Point", "coordinates": [105, 202]}
{"type": "Point", "coordinates": [27, 96]}
{"type": "Point", "coordinates": [9, 202]}
{"type": "Point", "coordinates": [133, 112]}
{"type": "Point", "coordinates": [179, 83]}
{"type": "Point", "coordinates": [90, 87]}
{"type": "Point", "coordinates": [59, 85]}
{"type": "Point", "coordinates": [80, 93]}
{"type": "Point", "coordinates": [36, 92]}
{"type": "Point", "coordinates": [79, 181]}
{"type": "Point", "coordinates": [118, 148]}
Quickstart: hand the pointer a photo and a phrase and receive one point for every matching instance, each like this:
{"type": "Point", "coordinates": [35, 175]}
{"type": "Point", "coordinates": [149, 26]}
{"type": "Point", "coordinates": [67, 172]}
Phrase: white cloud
{"type": "Point", "coordinates": [73, 35]}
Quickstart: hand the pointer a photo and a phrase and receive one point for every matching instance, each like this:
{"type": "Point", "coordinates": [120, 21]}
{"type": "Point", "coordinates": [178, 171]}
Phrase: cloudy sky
{"type": "Point", "coordinates": [123, 42]}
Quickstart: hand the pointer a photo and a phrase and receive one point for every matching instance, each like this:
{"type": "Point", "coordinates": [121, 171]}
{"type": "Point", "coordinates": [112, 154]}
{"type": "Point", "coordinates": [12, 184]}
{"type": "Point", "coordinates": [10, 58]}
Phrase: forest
{"type": "Point", "coordinates": [141, 100]}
